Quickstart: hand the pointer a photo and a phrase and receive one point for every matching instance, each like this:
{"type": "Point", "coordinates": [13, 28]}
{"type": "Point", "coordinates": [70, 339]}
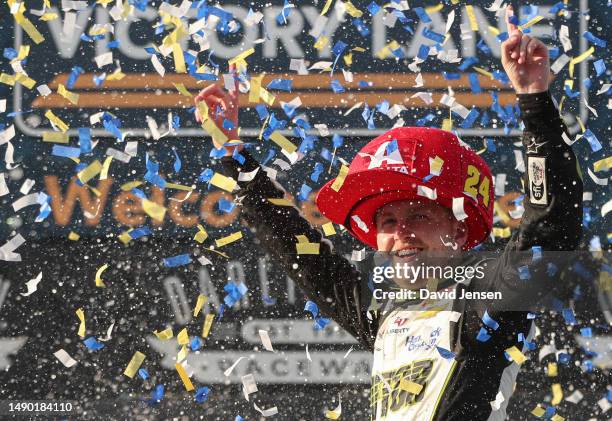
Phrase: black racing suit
{"type": "Point", "coordinates": [479, 373]}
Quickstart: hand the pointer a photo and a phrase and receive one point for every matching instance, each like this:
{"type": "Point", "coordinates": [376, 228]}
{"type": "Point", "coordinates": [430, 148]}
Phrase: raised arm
{"type": "Point", "coordinates": [327, 278]}
{"type": "Point", "coordinates": [552, 219]}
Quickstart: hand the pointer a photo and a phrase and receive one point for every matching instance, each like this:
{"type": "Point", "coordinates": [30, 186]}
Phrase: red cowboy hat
{"type": "Point", "coordinates": [397, 166]}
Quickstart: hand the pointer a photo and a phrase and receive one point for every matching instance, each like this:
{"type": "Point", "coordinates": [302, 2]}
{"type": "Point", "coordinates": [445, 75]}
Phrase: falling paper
{"type": "Point", "coordinates": [32, 285]}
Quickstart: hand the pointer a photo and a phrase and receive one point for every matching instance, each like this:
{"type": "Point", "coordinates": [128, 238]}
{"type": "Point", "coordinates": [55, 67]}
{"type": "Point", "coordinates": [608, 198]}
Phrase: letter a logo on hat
{"type": "Point", "coordinates": [387, 154]}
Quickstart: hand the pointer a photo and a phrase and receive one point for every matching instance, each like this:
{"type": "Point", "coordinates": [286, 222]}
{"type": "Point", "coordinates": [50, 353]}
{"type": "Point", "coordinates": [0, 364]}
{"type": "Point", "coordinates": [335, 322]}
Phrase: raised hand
{"type": "Point", "coordinates": [222, 105]}
{"type": "Point", "coordinates": [525, 59]}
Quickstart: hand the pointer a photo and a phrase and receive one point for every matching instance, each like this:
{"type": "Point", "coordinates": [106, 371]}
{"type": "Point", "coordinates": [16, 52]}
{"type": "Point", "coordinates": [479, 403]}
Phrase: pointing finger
{"type": "Point", "coordinates": [523, 49]}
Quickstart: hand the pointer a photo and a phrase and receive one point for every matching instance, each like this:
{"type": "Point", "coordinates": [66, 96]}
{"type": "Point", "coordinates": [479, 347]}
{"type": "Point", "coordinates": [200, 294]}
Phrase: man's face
{"type": "Point", "coordinates": [407, 228]}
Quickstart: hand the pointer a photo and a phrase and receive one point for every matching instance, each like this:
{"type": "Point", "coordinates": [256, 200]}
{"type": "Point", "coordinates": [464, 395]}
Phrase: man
{"type": "Point", "coordinates": [413, 192]}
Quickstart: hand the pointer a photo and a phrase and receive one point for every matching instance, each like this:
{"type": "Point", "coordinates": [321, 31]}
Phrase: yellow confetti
{"type": "Point", "coordinates": [328, 229]}
{"type": "Point", "coordinates": [472, 17]}
{"type": "Point", "coordinates": [116, 75]}
{"type": "Point", "coordinates": [154, 210]}
{"type": "Point", "coordinates": [283, 142]}
{"type": "Point", "coordinates": [557, 394]}
{"type": "Point", "coordinates": [557, 417]}
{"type": "Point", "coordinates": [165, 334]}
{"type": "Point", "coordinates": [181, 88]}
{"type": "Point", "coordinates": [580, 59]}
{"type": "Point", "coordinates": [326, 7]}
{"type": "Point", "coordinates": [99, 281]}
{"type": "Point", "coordinates": [387, 50]}
{"type": "Point", "coordinates": [447, 124]}
{"type": "Point", "coordinates": [57, 121]}
{"type": "Point", "coordinates": [81, 315]}
{"type": "Point", "coordinates": [29, 28]}
{"type": "Point", "coordinates": [254, 94]}
{"type": "Point", "coordinates": [223, 182]}
{"type": "Point", "coordinates": [217, 135]}
{"type": "Point", "coordinates": [530, 23]}
{"type": "Point", "coordinates": [348, 59]}
{"type": "Point", "coordinates": [48, 17]}
{"type": "Point", "coordinates": [280, 202]}
{"type": "Point", "coordinates": [25, 80]}
{"type": "Point", "coordinates": [105, 168]}
{"type": "Point", "coordinates": [494, 30]}
{"type": "Point", "coordinates": [7, 79]}
{"type": "Point", "coordinates": [434, 9]}
{"type": "Point", "coordinates": [410, 387]}
{"type": "Point", "coordinates": [603, 164]}
{"type": "Point", "coordinates": [339, 181]}
{"type": "Point", "coordinates": [130, 185]}
{"type": "Point", "coordinates": [538, 411]}
{"type": "Point", "coordinates": [89, 172]}
{"type": "Point", "coordinates": [73, 236]}
{"type": "Point", "coordinates": [308, 248]}
{"type": "Point", "coordinates": [552, 370]}
{"type": "Point", "coordinates": [266, 96]}
{"type": "Point", "coordinates": [240, 59]}
{"type": "Point", "coordinates": [483, 72]}
{"type": "Point", "coordinates": [501, 232]}
{"type": "Point", "coordinates": [70, 96]}
{"type": "Point", "coordinates": [179, 59]}
{"type": "Point", "coordinates": [55, 137]}
{"type": "Point", "coordinates": [516, 355]}
{"type": "Point", "coordinates": [183, 337]}
{"type": "Point", "coordinates": [134, 364]}
{"type": "Point", "coordinates": [201, 235]}
{"type": "Point", "coordinates": [184, 377]}
{"type": "Point", "coordinates": [302, 239]}
{"type": "Point", "coordinates": [182, 353]}
{"type": "Point", "coordinates": [207, 324]}
{"type": "Point", "coordinates": [178, 187]}
{"type": "Point", "coordinates": [321, 43]}
{"type": "Point", "coordinates": [352, 10]}
{"type": "Point", "coordinates": [199, 303]}
{"type": "Point", "coordinates": [220, 242]}
{"type": "Point", "coordinates": [24, 50]}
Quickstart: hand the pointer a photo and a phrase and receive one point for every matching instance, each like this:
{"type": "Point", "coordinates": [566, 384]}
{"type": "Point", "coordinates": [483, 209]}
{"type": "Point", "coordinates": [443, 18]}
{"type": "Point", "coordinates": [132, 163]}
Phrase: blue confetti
{"type": "Point", "coordinates": [483, 335]}
{"type": "Point", "coordinates": [536, 253]}
{"type": "Point", "coordinates": [318, 169]}
{"type": "Point", "coordinates": [593, 141]}
{"type": "Point", "coordinates": [524, 274]}
{"type": "Point", "coordinates": [337, 141]}
{"type": "Point", "coordinates": [74, 75]}
{"type": "Point", "coordinates": [445, 353]}
{"type": "Point", "coordinates": [423, 52]}
{"type": "Point", "coordinates": [474, 83]}
{"type": "Point", "coordinates": [304, 192]}
{"type": "Point", "coordinates": [85, 140]}
{"type": "Point", "coordinates": [470, 119]}
{"type": "Point", "coordinates": [144, 374]}
{"type": "Point", "coordinates": [432, 35]}
{"type": "Point", "coordinates": [225, 205]}
{"type": "Point", "coordinates": [587, 332]}
{"type": "Point", "coordinates": [234, 293]}
{"type": "Point", "coordinates": [65, 151]}
{"type": "Point", "coordinates": [281, 84]}
{"type": "Point", "coordinates": [594, 40]}
{"type": "Point", "coordinates": [92, 344]}
{"type": "Point", "coordinates": [201, 395]}
{"type": "Point", "coordinates": [195, 344]}
{"type": "Point", "coordinates": [600, 67]}
{"type": "Point", "coordinates": [422, 14]}
{"type": "Point", "coordinates": [10, 53]}
{"type": "Point", "coordinates": [177, 162]}
{"type": "Point", "coordinates": [337, 86]}
{"type": "Point", "coordinates": [363, 29]}
{"type": "Point", "coordinates": [373, 8]}
{"type": "Point", "coordinates": [568, 315]}
{"type": "Point", "coordinates": [262, 111]}
{"type": "Point", "coordinates": [321, 323]}
{"type": "Point", "coordinates": [489, 321]}
{"type": "Point", "coordinates": [551, 269]}
{"type": "Point", "coordinates": [312, 307]}
{"type": "Point", "coordinates": [179, 260]}
{"type": "Point", "coordinates": [156, 396]}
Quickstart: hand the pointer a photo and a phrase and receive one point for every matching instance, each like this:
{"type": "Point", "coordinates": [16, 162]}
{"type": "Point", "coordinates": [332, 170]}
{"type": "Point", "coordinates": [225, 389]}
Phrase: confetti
{"type": "Point", "coordinates": [134, 364]}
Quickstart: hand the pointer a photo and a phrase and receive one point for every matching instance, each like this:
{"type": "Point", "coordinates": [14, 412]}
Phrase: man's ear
{"type": "Point", "coordinates": [461, 234]}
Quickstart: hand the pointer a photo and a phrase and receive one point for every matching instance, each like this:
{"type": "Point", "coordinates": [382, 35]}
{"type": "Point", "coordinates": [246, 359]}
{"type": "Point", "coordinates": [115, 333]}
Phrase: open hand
{"type": "Point", "coordinates": [525, 60]}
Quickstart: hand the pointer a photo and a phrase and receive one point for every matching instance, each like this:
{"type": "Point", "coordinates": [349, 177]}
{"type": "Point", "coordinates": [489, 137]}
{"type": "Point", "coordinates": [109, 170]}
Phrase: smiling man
{"type": "Point", "coordinates": [414, 194]}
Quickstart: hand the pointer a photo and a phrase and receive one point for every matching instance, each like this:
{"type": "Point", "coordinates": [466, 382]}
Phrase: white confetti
{"type": "Point", "coordinates": [265, 340]}
{"type": "Point", "coordinates": [227, 372]}
{"type": "Point", "coordinates": [4, 190]}
{"type": "Point", "coordinates": [266, 412]}
{"type": "Point", "coordinates": [358, 255]}
{"type": "Point", "coordinates": [458, 209]}
{"type": "Point", "coordinates": [104, 59]}
{"type": "Point", "coordinates": [7, 134]}
{"type": "Point", "coordinates": [159, 68]}
{"type": "Point", "coordinates": [362, 225]}
{"type": "Point", "coordinates": [248, 176]}
{"type": "Point", "coordinates": [26, 186]}
{"type": "Point", "coordinates": [427, 192]}
{"type": "Point", "coordinates": [606, 208]}
{"type": "Point", "coordinates": [64, 358]}
{"type": "Point", "coordinates": [6, 251]}
{"type": "Point", "coordinates": [520, 162]}
{"type": "Point", "coordinates": [32, 285]}
{"type": "Point", "coordinates": [559, 63]}
{"type": "Point", "coordinates": [564, 38]}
